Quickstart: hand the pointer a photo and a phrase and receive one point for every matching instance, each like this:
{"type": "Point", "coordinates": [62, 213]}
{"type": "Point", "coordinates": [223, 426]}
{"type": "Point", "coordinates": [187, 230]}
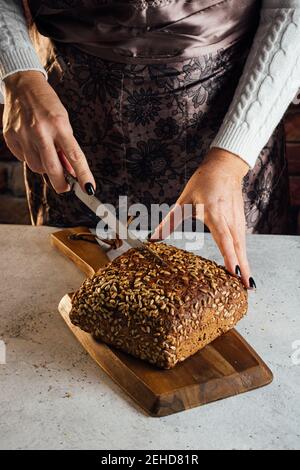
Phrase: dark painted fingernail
{"type": "Point", "coordinates": [89, 188]}
{"type": "Point", "coordinates": [252, 283]}
{"type": "Point", "coordinates": [238, 270]}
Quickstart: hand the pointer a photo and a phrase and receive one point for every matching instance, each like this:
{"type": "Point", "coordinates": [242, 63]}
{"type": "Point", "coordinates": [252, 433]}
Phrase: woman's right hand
{"type": "Point", "coordinates": [36, 127]}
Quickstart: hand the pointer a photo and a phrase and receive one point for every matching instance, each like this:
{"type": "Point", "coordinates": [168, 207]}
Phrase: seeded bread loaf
{"type": "Point", "coordinates": [158, 314]}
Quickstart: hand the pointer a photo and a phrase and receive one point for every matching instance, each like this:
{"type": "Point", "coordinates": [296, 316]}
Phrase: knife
{"type": "Point", "coordinates": [94, 204]}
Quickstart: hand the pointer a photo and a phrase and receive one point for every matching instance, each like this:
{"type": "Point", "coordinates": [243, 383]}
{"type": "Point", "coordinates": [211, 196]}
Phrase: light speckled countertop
{"type": "Point", "coordinates": [52, 395]}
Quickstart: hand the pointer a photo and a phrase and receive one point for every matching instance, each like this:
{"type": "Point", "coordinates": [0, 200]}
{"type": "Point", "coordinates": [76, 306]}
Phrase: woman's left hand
{"type": "Point", "coordinates": [217, 186]}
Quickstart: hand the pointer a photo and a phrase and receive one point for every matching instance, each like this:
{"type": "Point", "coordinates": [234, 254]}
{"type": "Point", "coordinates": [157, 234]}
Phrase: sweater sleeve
{"type": "Point", "coordinates": [16, 49]}
{"type": "Point", "coordinates": [269, 83]}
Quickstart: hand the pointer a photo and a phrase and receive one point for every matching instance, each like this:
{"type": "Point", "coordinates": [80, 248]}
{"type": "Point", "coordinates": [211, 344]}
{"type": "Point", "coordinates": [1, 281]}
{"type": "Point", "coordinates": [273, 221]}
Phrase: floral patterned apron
{"type": "Point", "coordinates": [146, 121]}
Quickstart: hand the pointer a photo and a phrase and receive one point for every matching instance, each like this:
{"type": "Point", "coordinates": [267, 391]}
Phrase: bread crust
{"type": "Point", "coordinates": [158, 314]}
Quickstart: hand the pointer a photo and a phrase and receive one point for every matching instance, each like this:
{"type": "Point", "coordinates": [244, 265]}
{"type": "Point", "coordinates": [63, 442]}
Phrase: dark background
{"type": "Point", "coordinates": [13, 204]}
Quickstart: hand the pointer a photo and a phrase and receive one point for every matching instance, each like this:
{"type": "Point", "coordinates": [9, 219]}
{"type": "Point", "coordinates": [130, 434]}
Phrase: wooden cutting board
{"type": "Point", "coordinates": [226, 367]}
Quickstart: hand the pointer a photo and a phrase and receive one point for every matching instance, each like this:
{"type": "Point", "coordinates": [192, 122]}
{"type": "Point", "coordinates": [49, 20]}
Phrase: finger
{"type": "Point", "coordinates": [168, 224]}
{"type": "Point", "coordinates": [32, 159]}
{"type": "Point", "coordinates": [16, 150]}
{"type": "Point", "coordinates": [77, 160]}
{"type": "Point", "coordinates": [239, 243]}
{"type": "Point", "coordinates": [53, 166]}
{"type": "Point", "coordinates": [237, 227]}
{"type": "Point", "coordinates": [222, 236]}
{"type": "Point", "coordinates": [65, 163]}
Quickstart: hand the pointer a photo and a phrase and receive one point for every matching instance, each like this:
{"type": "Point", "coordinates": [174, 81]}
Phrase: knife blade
{"type": "Point", "coordinates": [94, 204]}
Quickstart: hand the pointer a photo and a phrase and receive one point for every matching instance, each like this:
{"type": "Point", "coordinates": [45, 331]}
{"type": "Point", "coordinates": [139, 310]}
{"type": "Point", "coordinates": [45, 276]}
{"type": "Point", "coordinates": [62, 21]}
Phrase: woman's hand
{"type": "Point", "coordinates": [36, 127]}
{"type": "Point", "coordinates": [217, 185]}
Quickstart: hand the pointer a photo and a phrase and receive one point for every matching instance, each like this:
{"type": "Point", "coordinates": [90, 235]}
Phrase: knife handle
{"type": "Point", "coordinates": [87, 256]}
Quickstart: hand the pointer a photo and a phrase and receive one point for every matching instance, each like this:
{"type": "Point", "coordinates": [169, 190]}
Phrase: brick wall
{"type": "Point", "coordinates": [13, 204]}
{"type": "Point", "coordinates": [292, 126]}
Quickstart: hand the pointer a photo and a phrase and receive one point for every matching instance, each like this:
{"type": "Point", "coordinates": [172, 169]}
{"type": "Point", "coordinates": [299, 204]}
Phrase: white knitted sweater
{"type": "Point", "coordinates": [269, 83]}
